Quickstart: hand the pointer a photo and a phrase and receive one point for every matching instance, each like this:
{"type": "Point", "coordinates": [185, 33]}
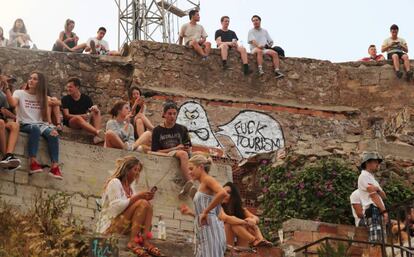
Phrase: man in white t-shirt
{"type": "Point", "coordinates": [260, 44]}
{"type": "Point", "coordinates": [195, 36]}
{"type": "Point", "coordinates": [397, 50]}
{"type": "Point", "coordinates": [357, 211]}
{"type": "Point", "coordinates": [98, 45]}
{"type": "Point", "coordinates": [372, 196]}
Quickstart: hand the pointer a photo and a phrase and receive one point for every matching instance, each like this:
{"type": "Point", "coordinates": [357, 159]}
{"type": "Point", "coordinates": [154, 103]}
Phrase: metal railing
{"type": "Point", "coordinates": [306, 252]}
{"type": "Point", "coordinates": [401, 212]}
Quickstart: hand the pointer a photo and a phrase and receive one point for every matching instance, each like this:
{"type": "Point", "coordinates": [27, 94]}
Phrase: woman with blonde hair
{"type": "Point", "coordinates": [210, 236]}
{"type": "Point", "coordinates": [67, 38]}
{"type": "Point", "coordinates": [124, 210]}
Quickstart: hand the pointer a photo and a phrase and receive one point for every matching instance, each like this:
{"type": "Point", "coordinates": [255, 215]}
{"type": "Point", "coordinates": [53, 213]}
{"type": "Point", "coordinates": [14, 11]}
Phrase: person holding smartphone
{"type": "Point", "coordinates": [173, 139]}
{"type": "Point", "coordinates": [79, 112]}
{"type": "Point", "coordinates": [397, 50]}
{"type": "Point", "coordinates": [127, 211]}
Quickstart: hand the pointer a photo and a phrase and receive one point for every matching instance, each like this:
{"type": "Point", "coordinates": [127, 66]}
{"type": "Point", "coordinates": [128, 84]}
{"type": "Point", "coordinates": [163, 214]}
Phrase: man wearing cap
{"type": "Point", "coordinates": [372, 196]}
{"type": "Point", "coordinates": [173, 139]}
{"type": "Point", "coordinates": [397, 50]}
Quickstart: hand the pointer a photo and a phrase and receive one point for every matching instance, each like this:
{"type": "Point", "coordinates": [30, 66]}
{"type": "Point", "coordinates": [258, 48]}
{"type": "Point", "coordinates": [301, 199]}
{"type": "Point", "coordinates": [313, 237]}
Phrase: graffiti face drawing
{"type": "Point", "coordinates": [194, 117]}
{"type": "Point", "coordinates": [253, 132]}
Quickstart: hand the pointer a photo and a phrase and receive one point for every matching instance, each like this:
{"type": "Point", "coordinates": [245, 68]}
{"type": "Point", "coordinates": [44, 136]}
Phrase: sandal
{"type": "Point", "coordinates": [154, 251]}
{"type": "Point", "coordinates": [261, 243]}
{"type": "Point", "coordinates": [139, 251]}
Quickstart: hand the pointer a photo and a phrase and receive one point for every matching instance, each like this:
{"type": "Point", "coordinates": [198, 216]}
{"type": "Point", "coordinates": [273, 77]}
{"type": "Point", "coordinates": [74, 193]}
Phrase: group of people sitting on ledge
{"type": "Point", "coordinates": [221, 219]}
{"type": "Point", "coordinates": [33, 111]}
{"type": "Point", "coordinates": [67, 41]}
{"type": "Point", "coordinates": [397, 49]}
{"type": "Point", "coordinates": [194, 36]}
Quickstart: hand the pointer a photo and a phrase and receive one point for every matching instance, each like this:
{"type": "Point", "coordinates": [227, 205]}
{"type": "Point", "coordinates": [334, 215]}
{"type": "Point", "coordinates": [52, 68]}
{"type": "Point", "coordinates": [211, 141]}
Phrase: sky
{"type": "Point", "coordinates": [322, 29]}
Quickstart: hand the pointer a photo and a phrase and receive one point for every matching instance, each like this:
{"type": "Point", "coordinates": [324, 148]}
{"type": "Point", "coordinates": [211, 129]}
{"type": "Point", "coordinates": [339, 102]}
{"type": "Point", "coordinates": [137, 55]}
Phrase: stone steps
{"type": "Point", "coordinates": [174, 248]}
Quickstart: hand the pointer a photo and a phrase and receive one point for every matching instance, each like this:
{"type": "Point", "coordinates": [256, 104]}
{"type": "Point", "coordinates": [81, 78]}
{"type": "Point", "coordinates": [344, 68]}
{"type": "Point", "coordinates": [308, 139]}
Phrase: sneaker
{"type": "Point", "coordinates": [125, 50]}
{"type": "Point", "coordinates": [35, 167]}
{"type": "Point", "coordinates": [13, 169]}
{"type": "Point", "coordinates": [99, 138]}
{"type": "Point", "coordinates": [189, 184]}
{"type": "Point", "coordinates": [279, 74]}
{"type": "Point", "coordinates": [247, 70]}
{"type": "Point", "coordinates": [204, 58]}
{"type": "Point", "coordinates": [409, 75]}
{"type": "Point", "coordinates": [399, 74]}
{"type": "Point", "coordinates": [93, 47]}
{"type": "Point", "coordinates": [55, 172]}
{"type": "Point", "coordinates": [261, 72]}
{"type": "Point", "coordinates": [10, 162]}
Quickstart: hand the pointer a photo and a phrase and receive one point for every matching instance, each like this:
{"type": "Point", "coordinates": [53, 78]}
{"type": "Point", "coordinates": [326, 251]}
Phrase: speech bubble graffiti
{"type": "Point", "coordinates": [194, 117]}
{"type": "Point", "coordinates": [253, 132]}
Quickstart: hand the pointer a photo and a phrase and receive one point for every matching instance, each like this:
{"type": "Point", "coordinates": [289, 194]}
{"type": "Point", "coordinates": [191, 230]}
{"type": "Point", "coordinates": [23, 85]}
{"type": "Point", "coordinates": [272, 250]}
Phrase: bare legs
{"type": "Point", "coordinates": [244, 235]}
{"type": "Point", "coordinates": [13, 128]}
{"type": "Point", "coordinates": [197, 47]}
{"type": "Point", "coordinates": [142, 123]}
{"type": "Point", "coordinates": [78, 122]}
{"type": "Point", "coordinates": [137, 217]}
{"type": "Point", "coordinates": [112, 140]}
{"type": "Point", "coordinates": [182, 156]}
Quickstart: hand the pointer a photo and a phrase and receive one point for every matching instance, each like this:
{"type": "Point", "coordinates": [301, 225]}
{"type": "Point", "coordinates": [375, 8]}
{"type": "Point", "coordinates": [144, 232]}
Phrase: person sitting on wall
{"type": "Point", "coordinates": [120, 132]}
{"type": "Point", "coordinates": [226, 39]}
{"type": "Point", "coordinates": [240, 225]}
{"type": "Point", "coordinates": [141, 122]}
{"type": "Point", "coordinates": [99, 46]}
{"type": "Point", "coordinates": [7, 147]}
{"type": "Point", "coordinates": [397, 50]}
{"type": "Point", "coordinates": [127, 211]}
{"type": "Point", "coordinates": [173, 139]}
{"type": "Point", "coordinates": [260, 44]}
{"type": "Point", "coordinates": [357, 211]}
{"type": "Point", "coordinates": [372, 197]}
{"type": "Point", "coordinates": [79, 112]}
{"type": "Point", "coordinates": [67, 38]}
{"type": "Point", "coordinates": [3, 41]}
{"type": "Point", "coordinates": [18, 36]}
{"type": "Point", "coordinates": [195, 36]}
{"type": "Point", "coordinates": [373, 56]}
{"type": "Point", "coordinates": [32, 115]}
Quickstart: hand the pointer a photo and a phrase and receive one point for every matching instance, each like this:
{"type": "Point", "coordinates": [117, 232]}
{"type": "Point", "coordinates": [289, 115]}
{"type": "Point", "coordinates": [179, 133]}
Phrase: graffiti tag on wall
{"type": "Point", "coordinates": [254, 132]}
{"type": "Point", "coordinates": [194, 117]}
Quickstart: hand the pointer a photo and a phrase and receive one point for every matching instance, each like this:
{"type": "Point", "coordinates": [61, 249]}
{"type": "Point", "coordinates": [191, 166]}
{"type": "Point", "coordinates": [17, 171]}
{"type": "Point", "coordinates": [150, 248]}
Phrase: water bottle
{"type": "Point", "coordinates": [162, 233]}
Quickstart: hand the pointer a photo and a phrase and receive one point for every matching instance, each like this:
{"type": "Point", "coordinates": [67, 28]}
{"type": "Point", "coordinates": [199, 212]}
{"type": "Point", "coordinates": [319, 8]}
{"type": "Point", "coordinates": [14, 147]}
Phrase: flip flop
{"type": "Point", "coordinates": [139, 251]}
{"type": "Point", "coordinates": [261, 243]}
{"type": "Point", "coordinates": [154, 251]}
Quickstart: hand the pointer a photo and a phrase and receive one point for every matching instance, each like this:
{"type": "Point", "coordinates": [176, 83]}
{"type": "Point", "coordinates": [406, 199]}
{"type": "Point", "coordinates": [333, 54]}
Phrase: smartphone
{"type": "Point", "coordinates": [154, 189]}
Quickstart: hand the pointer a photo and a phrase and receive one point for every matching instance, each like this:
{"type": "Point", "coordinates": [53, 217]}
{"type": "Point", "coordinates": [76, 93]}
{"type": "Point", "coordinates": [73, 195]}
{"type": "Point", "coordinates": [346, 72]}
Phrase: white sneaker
{"type": "Point", "coordinates": [99, 138]}
{"type": "Point", "coordinates": [187, 186]}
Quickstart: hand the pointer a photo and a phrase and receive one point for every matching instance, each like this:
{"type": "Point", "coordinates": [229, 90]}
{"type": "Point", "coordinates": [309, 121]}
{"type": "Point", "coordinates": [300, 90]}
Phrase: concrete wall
{"type": "Point", "coordinates": [85, 169]}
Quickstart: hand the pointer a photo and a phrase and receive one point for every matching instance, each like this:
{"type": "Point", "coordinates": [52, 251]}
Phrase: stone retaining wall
{"type": "Point", "coordinates": [85, 169]}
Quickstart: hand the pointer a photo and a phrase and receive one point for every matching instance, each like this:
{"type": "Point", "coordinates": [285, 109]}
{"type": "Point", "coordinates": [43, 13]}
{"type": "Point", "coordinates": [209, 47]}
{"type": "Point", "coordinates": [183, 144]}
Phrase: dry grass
{"type": "Point", "coordinates": [42, 231]}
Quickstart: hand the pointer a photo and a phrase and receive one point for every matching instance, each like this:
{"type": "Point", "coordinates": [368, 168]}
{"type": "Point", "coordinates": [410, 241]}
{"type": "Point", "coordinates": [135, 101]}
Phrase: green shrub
{"type": "Point", "coordinates": [314, 191]}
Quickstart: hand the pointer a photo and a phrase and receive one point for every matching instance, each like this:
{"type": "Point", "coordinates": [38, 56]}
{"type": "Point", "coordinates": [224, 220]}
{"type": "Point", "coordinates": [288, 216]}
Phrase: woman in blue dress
{"type": "Point", "coordinates": [210, 235]}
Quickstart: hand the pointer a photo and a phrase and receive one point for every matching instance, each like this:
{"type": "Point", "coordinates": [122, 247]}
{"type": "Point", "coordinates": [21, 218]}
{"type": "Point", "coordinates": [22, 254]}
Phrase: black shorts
{"type": "Point", "coordinates": [400, 54]}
